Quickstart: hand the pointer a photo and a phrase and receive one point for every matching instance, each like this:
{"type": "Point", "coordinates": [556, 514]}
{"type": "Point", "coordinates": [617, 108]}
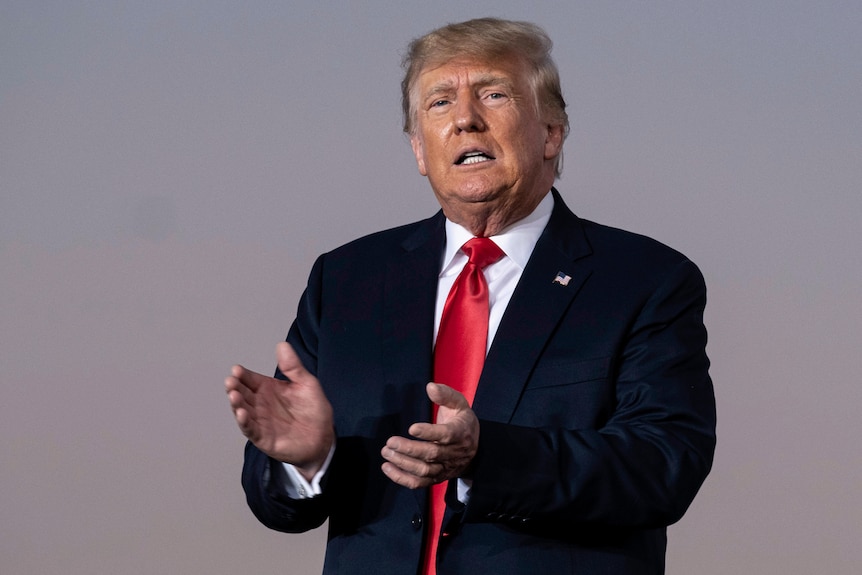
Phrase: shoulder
{"type": "Point", "coordinates": [393, 239]}
{"type": "Point", "coordinates": [627, 257]}
{"type": "Point", "coordinates": [608, 246]}
{"type": "Point", "coordinates": [374, 253]}
{"type": "Point", "coordinates": [625, 244]}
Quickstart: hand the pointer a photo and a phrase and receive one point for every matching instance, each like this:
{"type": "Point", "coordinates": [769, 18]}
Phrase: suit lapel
{"type": "Point", "coordinates": [537, 306]}
{"type": "Point", "coordinates": [408, 312]}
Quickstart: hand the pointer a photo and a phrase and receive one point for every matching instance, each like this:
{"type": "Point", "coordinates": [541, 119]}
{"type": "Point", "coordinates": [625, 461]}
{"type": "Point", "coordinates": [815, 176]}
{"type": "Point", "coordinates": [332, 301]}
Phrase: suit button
{"type": "Point", "coordinates": [416, 522]}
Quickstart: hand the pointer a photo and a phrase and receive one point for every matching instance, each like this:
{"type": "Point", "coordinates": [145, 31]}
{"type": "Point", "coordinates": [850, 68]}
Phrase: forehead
{"type": "Point", "coordinates": [471, 71]}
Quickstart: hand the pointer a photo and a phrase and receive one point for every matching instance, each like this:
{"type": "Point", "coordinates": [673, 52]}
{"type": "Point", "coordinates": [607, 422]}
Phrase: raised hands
{"type": "Point", "coordinates": [440, 451]}
{"type": "Point", "coordinates": [291, 421]}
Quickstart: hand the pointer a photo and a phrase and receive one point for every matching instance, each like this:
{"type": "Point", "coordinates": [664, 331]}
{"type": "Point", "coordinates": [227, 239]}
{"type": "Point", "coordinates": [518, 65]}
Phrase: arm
{"type": "Point", "coordinates": [263, 481]}
{"type": "Point", "coordinates": [644, 465]}
{"type": "Point", "coordinates": [287, 419]}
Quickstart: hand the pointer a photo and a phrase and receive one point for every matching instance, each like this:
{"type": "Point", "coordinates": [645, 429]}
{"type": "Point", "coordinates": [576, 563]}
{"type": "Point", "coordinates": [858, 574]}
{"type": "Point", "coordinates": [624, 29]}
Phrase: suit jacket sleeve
{"type": "Point", "coordinates": [641, 464]}
{"type": "Point", "coordinates": [262, 477]}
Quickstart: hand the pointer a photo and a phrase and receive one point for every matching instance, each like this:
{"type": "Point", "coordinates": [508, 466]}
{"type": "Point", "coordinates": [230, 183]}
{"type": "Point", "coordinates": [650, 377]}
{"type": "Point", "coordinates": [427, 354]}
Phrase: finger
{"type": "Point", "coordinates": [251, 431]}
{"type": "Point", "coordinates": [411, 472]}
{"type": "Point", "coordinates": [422, 451]}
{"type": "Point", "coordinates": [243, 413]}
{"type": "Point", "coordinates": [410, 465]}
{"type": "Point", "coordinates": [402, 478]}
{"type": "Point", "coordinates": [250, 379]}
{"type": "Point", "coordinates": [445, 396]}
{"type": "Point", "coordinates": [289, 363]}
{"type": "Point", "coordinates": [431, 432]}
{"type": "Point", "coordinates": [238, 401]}
{"type": "Point", "coordinates": [234, 385]}
{"type": "Point", "coordinates": [242, 418]}
{"type": "Point", "coordinates": [245, 422]}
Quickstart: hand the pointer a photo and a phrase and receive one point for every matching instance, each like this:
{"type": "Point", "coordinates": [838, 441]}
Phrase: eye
{"type": "Point", "coordinates": [495, 97]}
{"type": "Point", "coordinates": [439, 103]}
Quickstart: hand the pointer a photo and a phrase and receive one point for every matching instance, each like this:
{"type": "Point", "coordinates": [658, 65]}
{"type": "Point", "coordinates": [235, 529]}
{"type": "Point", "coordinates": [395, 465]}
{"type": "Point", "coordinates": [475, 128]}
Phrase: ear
{"type": "Point", "coordinates": [419, 152]}
{"type": "Point", "coordinates": [553, 141]}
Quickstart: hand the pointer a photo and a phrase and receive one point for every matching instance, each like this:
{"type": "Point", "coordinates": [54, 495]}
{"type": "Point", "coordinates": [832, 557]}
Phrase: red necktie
{"type": "Point", "coordinates": [459, 356]}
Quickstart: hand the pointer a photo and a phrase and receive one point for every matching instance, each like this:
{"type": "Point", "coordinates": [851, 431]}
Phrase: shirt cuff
{"type": "Point", "coordinates": [297, 487]}
{"type": "Point", "coordinates": [464, 487]}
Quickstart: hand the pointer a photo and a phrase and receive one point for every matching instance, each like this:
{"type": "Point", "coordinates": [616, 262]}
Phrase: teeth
{"type": "Point", "coordinates": [474, 158]}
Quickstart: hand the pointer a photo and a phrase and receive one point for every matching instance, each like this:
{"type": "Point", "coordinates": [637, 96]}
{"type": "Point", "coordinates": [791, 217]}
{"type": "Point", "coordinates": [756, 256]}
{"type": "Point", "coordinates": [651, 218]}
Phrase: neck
{"type": "Point", "coordinates": [486, 220]}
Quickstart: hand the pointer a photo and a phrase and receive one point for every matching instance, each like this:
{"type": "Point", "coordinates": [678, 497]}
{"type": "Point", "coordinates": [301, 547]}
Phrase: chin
{"type": "Point", "coordinates": [478, 192]}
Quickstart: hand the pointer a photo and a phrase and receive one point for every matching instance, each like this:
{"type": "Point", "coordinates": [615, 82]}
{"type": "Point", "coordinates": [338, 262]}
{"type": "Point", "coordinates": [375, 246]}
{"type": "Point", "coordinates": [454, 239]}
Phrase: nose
{"type": "Point", "coordinates": [468, 116]}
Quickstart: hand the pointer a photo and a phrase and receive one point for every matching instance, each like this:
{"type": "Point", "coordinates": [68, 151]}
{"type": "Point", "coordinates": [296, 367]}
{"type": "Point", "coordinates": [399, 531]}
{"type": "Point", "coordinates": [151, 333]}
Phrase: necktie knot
{"type": "Point", "coordinates": [482, 252]}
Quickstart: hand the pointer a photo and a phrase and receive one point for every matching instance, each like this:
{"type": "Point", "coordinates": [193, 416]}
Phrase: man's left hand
{"type": "Point", "coordinates": [440, 451]}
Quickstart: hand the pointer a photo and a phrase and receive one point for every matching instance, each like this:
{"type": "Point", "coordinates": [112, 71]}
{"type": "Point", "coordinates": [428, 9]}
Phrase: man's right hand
{"type": "Point", "coordinates": [291, 421]}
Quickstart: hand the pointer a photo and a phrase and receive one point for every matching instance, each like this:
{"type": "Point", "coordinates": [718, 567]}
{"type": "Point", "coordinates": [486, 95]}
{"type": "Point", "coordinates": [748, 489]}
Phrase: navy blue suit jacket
{"type": "Point", "coordinates": [597, 417]}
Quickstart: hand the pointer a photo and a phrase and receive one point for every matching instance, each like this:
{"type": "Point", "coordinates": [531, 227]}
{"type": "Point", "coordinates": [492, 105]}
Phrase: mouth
{"type": "Point", "coordinates": [473, 157]}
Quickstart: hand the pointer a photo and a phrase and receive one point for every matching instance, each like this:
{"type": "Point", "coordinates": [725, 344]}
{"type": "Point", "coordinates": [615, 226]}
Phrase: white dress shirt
{"type": "Point", "coordinates": [517, 241]}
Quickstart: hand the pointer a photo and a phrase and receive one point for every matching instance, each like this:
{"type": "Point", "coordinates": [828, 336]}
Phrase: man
{"type": "Point", "coordinates": [592, 425]}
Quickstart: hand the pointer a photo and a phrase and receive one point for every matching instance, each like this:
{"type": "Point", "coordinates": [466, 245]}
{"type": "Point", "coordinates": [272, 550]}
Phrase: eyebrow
{"type": "Point", "coordinates": [482, 80]}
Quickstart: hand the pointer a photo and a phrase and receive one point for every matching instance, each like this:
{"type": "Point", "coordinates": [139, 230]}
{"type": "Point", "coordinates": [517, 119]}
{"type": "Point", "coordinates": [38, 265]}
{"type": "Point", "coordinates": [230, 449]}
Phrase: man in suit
{"type": "Point", "coordinates": [592, 426]}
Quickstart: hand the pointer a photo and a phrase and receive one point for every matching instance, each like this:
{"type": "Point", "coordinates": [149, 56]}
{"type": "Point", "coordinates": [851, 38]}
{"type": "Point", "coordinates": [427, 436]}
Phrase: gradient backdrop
{"type": "Point", "coordinates": [169, 171]}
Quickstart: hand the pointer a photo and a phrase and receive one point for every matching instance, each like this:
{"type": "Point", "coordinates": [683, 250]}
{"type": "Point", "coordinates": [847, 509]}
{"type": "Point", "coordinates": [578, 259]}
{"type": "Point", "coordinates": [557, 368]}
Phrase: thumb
{"type": "Point", "coordinates": [289, 363]}
{"type": "Point", "coordinates": [445, 396]}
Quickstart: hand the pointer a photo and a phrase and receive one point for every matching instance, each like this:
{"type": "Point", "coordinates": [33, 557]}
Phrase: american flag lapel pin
{"type": "Point", "coordinates": [562, 279]}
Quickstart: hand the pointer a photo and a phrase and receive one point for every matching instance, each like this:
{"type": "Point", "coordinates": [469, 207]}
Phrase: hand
{"type": "Point", "coordinates": [441, 450]}
{"type": "Point", "coordinates": [290, 421]}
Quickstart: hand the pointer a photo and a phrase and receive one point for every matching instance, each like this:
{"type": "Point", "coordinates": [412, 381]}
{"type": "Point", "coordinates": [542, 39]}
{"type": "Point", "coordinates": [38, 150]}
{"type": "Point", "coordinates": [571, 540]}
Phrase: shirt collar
{"type": "Point", "coordinates": [517, 240]}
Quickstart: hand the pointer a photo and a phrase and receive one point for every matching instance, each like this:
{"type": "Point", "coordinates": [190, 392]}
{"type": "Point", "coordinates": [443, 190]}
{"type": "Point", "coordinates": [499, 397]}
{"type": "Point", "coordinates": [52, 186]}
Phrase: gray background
{"type": "Point", "coordinates": [169, 171]}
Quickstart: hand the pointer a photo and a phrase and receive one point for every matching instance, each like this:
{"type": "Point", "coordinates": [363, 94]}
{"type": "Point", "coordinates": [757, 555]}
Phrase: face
{"type": "Point", "coordinates": [478, 138]}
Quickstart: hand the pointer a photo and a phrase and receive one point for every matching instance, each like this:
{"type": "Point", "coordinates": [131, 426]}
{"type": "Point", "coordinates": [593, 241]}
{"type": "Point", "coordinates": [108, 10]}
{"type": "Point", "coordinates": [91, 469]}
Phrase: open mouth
{"type": "Point", "coordinates": [475, 157]}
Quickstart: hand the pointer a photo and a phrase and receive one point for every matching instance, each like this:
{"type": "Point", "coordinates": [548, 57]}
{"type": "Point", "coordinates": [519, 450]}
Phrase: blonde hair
{"type": "Point", "coordinates": [489, 39]}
